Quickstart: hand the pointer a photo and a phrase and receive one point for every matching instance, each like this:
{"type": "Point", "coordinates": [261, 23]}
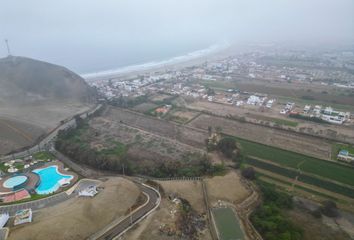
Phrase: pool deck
{"type": "Point", "coordinates": [33, 179]}
{"type": "Point", "coordinates": [50, 201]}
{"type": "Point", "coordinates": [31, 183]}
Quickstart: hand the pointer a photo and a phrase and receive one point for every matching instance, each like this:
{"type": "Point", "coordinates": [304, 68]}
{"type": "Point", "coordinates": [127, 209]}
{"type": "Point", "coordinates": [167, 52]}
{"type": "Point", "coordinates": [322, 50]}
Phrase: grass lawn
{"type": "Point", "coordinates": [294, 160]}
{"type": "Point", "coordinates": [227, 224]}
{"type": "Point", "coordinates": [3, 168]}
{"type": "Point", "coordinates": [43, 156]}
{"type": "Point", "coordinates": [219, 85]}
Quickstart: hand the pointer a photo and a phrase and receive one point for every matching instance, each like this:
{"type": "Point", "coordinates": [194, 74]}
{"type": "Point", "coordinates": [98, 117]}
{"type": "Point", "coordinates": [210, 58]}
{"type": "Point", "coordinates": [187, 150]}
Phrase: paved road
{"type": "Point", "coordinates": [125, 224]}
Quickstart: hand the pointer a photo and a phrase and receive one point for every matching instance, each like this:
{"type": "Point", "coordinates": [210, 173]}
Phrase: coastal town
{"type": "Point", "coordinates": [217, 81]}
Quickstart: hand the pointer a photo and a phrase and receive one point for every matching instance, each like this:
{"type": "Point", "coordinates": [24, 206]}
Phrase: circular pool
{"type": "Point", "coordinates": [14, 181]}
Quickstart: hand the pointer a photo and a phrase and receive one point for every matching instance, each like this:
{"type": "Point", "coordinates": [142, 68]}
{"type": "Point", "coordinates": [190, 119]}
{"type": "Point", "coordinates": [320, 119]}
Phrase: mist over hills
{"type": "Point", "coordinates": [24, 80]}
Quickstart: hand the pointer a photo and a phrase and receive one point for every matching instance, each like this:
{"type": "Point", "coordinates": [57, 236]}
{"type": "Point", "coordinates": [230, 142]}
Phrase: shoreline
{"type": "Point", "coordinates": [174, 63]}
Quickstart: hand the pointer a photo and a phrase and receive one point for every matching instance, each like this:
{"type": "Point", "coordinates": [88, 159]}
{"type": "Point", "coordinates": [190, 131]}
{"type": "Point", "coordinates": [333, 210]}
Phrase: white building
{"type": "Point", "coordinates": [254, 100]}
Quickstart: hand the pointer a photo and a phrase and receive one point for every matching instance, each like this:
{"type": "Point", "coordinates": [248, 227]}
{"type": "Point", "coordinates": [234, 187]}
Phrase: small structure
{"type": "Point", "coordinates": [307, 108]}
{"type": "Point", "coordinates": [3, 219]}
{"type": "Point", "coordinates": [64, 182]}
{"type": "Point", "coordinates": [12, 169]}
{"type": "Point", "coordinates": [345, 156]}
{"type": "Point", "coordinates": [23, 216]}
{"type": "Point", "coordinates": [90, 191]}
{"type": "Point", "coordinates": [270, 103]}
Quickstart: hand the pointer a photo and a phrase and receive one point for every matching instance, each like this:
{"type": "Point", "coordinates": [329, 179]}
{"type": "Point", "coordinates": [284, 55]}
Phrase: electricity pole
{"type": "Point", "coordinates": [7, 45]}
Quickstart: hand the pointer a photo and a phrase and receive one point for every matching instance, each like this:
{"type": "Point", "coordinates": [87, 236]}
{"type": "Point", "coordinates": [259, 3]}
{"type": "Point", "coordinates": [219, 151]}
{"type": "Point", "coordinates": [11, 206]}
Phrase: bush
{"type": "Point", "coordinates": [268, 218]}
{"type": "Point", "coordinates": [329, 209]}
{"type": "Point", "coordinates": [316, 213]}
{"type": "Point", "coordinates": [249, 173]}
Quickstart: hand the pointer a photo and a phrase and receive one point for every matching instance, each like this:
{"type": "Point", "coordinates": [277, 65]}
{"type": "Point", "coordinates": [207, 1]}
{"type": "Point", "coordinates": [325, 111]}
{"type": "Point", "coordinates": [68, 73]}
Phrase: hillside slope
{"type": "Point", "coordinates": [24, 80]}
{"type": "Point", "coordinates": [34, 97]}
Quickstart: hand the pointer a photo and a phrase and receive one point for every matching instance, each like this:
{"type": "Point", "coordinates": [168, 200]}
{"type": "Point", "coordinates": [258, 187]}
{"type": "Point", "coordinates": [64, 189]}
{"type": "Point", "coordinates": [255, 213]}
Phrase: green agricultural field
{"type": "Point", "coordinates": [330, 186]}
{"type": "Point", "coordinates": [227, 224]}
{"type": "Point", "coordinates": [281, 121]}
{"type": "Point", "coordinates": [294, 160]}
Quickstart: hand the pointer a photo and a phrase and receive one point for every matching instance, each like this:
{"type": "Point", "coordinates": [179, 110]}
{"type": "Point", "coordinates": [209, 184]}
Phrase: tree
{"type": "Point", "coordinates": [210, 91]}
{"type": "Point", "coordinates": [249, 173]}
{"type": "Point", "coordinates": [210, 130]}
{"type": "Point", "coordinates": [329, 209]}
{"type": "Point", "coordinates": [227, 146]}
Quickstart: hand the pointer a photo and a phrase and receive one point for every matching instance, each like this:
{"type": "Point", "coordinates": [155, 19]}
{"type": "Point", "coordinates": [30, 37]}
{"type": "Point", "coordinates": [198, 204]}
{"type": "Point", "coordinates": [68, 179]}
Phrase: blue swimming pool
{"type": "Point", "coordinates": [50, 179]}
{"type": "Point", "coordinates": [14, 181]}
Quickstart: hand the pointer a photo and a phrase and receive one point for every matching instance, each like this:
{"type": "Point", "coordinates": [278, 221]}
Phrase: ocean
{"type": "Point", "coordinates": [158, 62]}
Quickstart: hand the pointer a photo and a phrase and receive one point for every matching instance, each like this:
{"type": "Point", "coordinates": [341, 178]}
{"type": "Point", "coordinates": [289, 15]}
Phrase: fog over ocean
{"type": "Point", "coordinates": [94, 36]}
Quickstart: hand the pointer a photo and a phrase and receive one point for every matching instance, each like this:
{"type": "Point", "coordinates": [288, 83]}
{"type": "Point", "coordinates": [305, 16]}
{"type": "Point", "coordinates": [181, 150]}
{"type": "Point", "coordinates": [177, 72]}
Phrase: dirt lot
{"type": "Point", "coordinates": [149, 145]}
{"type": "Point", "coordinates": [314, 229]}
{"type": "Point", "coordinates": [226, 188]}
{"type": "Point", "coordinates": [163, 128]}
{"type": "Point", "coordinates": [78, 218]}
{"type": "Point", "coordinates": [166, 214]}
{"type": "Point", "coordinates": [274, 137]}
{"type": "Point", "coordinates": [189, 190]}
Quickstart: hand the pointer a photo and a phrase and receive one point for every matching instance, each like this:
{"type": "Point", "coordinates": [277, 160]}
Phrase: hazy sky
{"type": "Point", "coordinates": [89, 35]}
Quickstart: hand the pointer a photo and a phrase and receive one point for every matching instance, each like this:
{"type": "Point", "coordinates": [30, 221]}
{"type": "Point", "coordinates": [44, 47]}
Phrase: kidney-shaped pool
{"type": "Point", "coordinates": [50, 179]}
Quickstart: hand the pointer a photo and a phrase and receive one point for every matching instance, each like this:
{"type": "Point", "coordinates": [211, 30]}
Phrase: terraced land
{"type": "Point", "coordinates": [299, 169]}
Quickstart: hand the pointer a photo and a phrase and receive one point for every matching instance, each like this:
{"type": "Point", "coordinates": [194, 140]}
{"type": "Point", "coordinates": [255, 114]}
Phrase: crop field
{"type": "Point", "coordinates": [298, 161]}
{"type": "Point", "coordinates": [273, 137]}
{"type": "Point", "coordinates": [330, 186]}
{"type": "Point", "coordinates": [278, 121]}
{"type": "Point", "coordinates": [287, 185]}
{"type": "Point", "coordinates": [181, 115]}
